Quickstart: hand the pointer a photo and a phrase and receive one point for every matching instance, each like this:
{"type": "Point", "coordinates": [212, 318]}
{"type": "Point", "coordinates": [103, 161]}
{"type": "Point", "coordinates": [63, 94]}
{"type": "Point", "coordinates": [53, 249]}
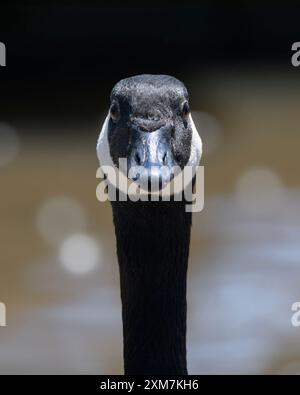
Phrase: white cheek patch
{"type": "Point", "coordinates": [196, 146]}
{"type": "Point", "coordinates": [103, 154]}
{"type": "Point", "coordinates": [103, 151]}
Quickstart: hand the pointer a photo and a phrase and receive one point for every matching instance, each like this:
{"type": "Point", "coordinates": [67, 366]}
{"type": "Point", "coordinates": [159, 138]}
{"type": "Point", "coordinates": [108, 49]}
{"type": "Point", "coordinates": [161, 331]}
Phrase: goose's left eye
{"type": "Point", "coordinates": [185, 110]}
{"type": "Point", "coordinates": [114, 112]}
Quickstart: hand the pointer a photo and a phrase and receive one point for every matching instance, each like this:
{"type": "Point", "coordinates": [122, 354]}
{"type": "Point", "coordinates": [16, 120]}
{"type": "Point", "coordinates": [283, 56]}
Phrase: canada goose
{"type": "Point", "coordinates": [149, 124]}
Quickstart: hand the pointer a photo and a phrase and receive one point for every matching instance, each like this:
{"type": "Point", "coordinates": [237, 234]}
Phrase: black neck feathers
{"type": "Point", "coordinates": [153, 247]}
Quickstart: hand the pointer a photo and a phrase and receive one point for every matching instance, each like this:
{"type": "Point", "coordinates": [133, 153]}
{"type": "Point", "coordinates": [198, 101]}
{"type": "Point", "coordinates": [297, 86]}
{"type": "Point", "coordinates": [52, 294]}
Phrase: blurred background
{"type": "Point", "coordinates": [58, 268]}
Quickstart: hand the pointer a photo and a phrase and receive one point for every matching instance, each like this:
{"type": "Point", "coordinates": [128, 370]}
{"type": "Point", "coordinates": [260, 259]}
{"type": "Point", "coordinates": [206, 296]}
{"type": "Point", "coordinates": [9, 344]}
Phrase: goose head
{"type": "Point", "coordinates": [149, 124]}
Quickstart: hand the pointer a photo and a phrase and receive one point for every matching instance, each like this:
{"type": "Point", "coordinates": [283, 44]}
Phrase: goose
{"type": "Point", "coordinates": [150, 125]}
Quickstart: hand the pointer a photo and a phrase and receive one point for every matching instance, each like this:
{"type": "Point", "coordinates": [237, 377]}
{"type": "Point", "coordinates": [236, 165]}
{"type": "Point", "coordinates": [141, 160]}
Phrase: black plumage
{"type": "Point", "coordinates": [152, 237]}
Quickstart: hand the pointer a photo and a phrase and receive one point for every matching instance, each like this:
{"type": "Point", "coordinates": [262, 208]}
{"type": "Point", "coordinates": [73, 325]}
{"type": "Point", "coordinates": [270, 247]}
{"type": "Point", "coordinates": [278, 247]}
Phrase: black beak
{"type": "Point", "coordinates": [150, 161]}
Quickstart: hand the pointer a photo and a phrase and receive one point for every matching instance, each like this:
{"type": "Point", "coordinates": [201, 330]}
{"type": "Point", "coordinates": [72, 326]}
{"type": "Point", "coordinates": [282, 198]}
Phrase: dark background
{"type": "Point", "coordinates": [67, 56]}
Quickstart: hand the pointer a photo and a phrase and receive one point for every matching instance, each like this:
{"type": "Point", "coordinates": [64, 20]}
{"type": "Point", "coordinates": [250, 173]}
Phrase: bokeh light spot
{"type": "Point", "coordinates": [79, 254]}
{"type": "Point", "coordinates": [259, 192]}
{"type": "Point", "coordinates": [59, 217]}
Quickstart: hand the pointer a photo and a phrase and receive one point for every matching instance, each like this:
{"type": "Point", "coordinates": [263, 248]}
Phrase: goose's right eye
{"type": "Point", "coordinates": [114, 112]}
{"type": "Point", "coordinates": [185, 110]}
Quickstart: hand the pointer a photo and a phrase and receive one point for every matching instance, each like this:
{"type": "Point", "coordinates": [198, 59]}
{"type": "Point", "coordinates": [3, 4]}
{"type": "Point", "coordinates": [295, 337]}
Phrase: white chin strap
{"type": "Point", "coordinates": [103, 153]}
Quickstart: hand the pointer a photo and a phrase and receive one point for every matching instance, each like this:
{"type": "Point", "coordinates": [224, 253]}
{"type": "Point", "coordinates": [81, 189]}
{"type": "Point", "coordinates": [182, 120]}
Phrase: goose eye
{"type": "Point", "coordinates": [185, 110]}
{"type": "Point", "coordinates": [114, 112]}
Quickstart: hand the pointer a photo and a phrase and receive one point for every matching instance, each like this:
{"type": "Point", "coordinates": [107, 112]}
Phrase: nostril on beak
{"type": "Point", "coordinates": [165, 159]}
{"type": "Point", "coordinates": [137, 158]}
